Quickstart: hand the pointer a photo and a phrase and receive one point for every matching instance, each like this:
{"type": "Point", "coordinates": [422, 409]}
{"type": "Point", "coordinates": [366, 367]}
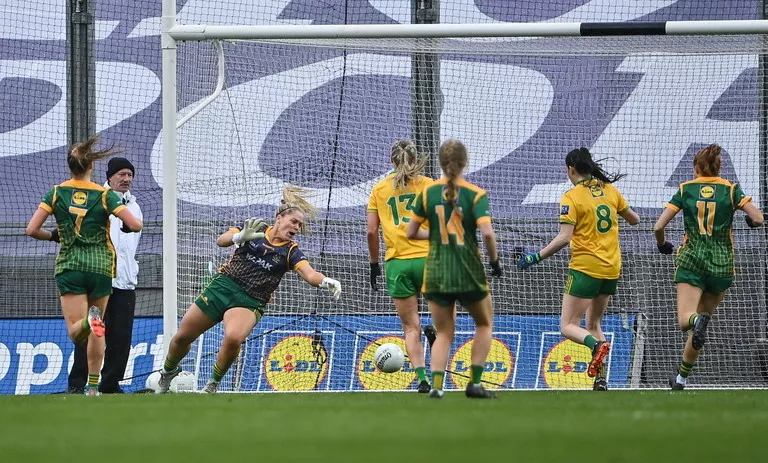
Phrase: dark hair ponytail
{"type": "Point", "coordinates": [581, 160]}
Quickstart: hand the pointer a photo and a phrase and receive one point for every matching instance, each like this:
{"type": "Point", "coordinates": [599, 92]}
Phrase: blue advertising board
{"type": "Point", "coordinates": [325, 353]}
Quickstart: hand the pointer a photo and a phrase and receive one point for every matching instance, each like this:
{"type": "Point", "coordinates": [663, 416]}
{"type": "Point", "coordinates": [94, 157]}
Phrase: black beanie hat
{"type": "Point", "coordinates": [116, 164]}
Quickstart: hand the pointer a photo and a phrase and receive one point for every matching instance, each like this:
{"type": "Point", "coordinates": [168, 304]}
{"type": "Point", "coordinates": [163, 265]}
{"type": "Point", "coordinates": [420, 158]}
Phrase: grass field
{"type": "Point", "coordinates": [619, 426]}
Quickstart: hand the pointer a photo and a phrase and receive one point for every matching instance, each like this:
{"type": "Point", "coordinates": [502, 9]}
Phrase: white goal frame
{"type": "Point", "coordinates": [172, 32]}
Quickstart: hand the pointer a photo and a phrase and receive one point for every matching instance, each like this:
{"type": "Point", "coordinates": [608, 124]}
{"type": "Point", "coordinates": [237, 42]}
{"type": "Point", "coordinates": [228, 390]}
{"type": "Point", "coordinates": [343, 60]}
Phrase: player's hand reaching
{"type": "Point", "coordinates": [253, 229]}
{"type": "Point", "coordinates": [532, 258]}
{"type": "Point", "coordinates": [333, 286]}
{"type": "Point", "coordinates": [495, 268]}
{"type": "Point", "coordinates": [666, 247]}
{"type": "Point", "coordinates": [375, 272]}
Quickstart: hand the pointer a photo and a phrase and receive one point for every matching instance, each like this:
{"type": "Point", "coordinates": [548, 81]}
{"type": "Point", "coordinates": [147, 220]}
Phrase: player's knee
{"type": "Point", "coordinates": [233, 340]}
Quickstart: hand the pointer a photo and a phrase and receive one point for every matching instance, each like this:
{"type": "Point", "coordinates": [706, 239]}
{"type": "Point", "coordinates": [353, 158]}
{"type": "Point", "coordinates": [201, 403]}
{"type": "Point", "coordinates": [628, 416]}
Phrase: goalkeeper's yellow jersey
{"type": "Point", "coordinates": [394, 209]}
{"type": "Point", "coordinates": [592, 207]}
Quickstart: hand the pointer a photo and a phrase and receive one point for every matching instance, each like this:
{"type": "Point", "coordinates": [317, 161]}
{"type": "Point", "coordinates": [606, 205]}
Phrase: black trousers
{"type": "Point", "coordinates": [119, 323]}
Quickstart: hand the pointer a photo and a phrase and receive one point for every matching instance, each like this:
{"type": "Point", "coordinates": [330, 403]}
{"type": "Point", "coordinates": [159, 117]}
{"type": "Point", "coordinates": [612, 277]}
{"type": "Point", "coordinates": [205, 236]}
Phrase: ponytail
{"type": "Point", "coordinates": [453, 160]}
{"type": "Point", "coordinates": [708, 161]}
{"type": "Point", "coordinates": [293, 200]}
{"type": "Point", "coordinates": [581, 160]}
{"type": "Point", "coordinates": [407, 163]}
{"type": "Point", "coordinates": [82, 155]}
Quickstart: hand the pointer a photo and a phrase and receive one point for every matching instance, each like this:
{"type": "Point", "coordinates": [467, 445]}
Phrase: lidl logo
{"type": "Point", "coordinates": [499, 366]}
{"type": "Point", "coordinates": [296, 363]}
{"type": "Point", "coordinates": [372, 379]}
{"type": "Point", "coordinates": [597, 191]}
{"type": "Point", "coordinates": [79, 198]}
{"type": "Point", "coordinates": [706, 191]}
{"type": "Point", "coordinates": [564, 362]}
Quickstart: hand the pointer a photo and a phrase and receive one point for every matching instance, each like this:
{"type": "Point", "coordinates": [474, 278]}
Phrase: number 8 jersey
{"type": "Point", "coordinates": [708, 204]}
{"type": "Point", "coordinates": [453, 264]}
{"type": "Point", "coordinates": [592, 207]}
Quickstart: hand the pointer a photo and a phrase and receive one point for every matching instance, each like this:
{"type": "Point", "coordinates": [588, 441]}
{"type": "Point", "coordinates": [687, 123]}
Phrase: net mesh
{"type": "Point", "coordinates": [322, 115]}
{"type": "Point", "coordinates": [591, 86]}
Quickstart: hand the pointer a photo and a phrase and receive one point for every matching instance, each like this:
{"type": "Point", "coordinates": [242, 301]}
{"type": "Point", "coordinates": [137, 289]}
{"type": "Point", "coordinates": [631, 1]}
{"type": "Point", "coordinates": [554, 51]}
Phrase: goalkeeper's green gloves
{"type": "Point", "coordinates": [532, 258]}
{"type": "Point", "coordinates": [253, 229]}
{"type": "Point", "coordinates": [333, 286]}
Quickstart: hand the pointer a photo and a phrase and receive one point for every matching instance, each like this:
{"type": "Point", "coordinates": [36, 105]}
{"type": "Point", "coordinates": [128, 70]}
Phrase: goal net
{"type": "Point", "coordinates": [322, 115]}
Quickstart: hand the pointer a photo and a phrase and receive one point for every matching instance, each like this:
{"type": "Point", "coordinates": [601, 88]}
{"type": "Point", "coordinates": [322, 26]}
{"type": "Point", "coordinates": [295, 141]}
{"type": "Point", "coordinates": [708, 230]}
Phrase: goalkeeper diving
{"type": "Point", "coordinates": [238, 294]}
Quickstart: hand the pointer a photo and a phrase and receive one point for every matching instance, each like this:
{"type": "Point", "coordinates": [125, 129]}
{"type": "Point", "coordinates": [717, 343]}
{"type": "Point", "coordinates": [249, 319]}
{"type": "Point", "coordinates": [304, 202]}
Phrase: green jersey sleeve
{"type": "Point", "coordinates": [481, 208]}
{"type": "Point", "coordinates": [739, 197]}
{"type": "Point", "coordinates": [47, 202]}
{"type": "Point", "coordinates": [676, 202]}
{"type": "Point", "coordinates": [420, 209]}
{"type": "Point", "coordinates": [113, 201]}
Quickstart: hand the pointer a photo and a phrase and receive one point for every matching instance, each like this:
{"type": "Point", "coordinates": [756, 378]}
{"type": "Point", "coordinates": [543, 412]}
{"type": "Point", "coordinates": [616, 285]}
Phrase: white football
{"type": "Point", "coordinates": [186, 381]}
{"type": "Point", "coordinates": [389, 358]}
{"type": "Point", "coordinates": [153, 380]}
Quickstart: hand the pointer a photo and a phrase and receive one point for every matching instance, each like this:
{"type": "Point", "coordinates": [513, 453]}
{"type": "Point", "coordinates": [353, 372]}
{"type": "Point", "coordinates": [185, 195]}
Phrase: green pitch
{"type": "Point", "coordinates": [618, 426]}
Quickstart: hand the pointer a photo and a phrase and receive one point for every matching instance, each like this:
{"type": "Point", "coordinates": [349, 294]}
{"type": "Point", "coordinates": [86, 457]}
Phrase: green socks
{"type": "Point", "coordinates": [476, 373]}
{"type": "Point", "coordinates": [692, 320]}
{"type": "Point", "coordinates": [437, 380]}
{"type": "Point", "coordinates": [217, 373]}
{"type": "Point", "coordinates": [421, 372]}
{"type": "Point", "coordinates": [590, 341]}
{"type": "Point", "coordinates": [686, 368]}
{"type": "Point", "coordinates": [170, 364]}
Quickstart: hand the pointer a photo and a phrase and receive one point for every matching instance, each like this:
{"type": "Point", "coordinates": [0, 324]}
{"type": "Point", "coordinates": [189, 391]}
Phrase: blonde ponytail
{"type": "Point", "coordinates": [293, 200]}
{"type": "Point", "coordinates": [408, 163]}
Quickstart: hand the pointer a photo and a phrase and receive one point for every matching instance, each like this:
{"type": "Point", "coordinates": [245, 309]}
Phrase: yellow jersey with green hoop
{"type": "Point", "coordinates": [708, 204]}
{"type": "Point", "coordinates": [592, 207]}
{"type": "Point", "coordinates": [394, 207]}
{"type": "Point", "coordinates": [453, 264]}
{"type": "Point", "coordinates": [82, 211]}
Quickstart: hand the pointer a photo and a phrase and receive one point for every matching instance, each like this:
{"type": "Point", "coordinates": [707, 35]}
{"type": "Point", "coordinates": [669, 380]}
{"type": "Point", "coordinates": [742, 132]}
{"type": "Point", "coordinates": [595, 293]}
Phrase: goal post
{"type": "Point", "coordinates": [318, 106]}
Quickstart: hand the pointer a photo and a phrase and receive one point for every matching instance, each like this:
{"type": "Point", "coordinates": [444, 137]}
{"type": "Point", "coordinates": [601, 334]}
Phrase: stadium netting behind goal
{"type": "Point", "coordinates": [322, 114]}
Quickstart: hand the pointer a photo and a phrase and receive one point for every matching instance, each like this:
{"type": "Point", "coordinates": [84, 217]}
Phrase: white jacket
{"type": "Point", "coordinates": [125, 245]}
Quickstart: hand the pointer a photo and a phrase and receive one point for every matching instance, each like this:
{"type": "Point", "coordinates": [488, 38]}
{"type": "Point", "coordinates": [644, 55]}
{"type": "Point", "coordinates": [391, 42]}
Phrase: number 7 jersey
{"type": "Point", "coordinates": [592, 207]}
{"type": "Point", "coordinates": [708, 204]}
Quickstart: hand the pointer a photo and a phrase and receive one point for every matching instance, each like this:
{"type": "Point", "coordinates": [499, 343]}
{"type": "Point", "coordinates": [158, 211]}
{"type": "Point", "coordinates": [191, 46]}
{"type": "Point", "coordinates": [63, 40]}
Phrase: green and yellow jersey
{"type": "Point", "coordinates": [394, 209]}
{"type": "Point", "coordinates": [82, 211]}
{"type": "Point", "coordinates": [453, 264]}
{"type": "Point", "coordinates": [708, 204]}
{"type": "Point", "coordinates": [592, 207]}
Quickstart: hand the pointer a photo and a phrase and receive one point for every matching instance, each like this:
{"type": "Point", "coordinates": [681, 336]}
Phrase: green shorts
{"type": "Point", "coordinates": [404, 276]}
{"type": "Point", "coordinates": [579, 284]}
{"type": "Point", "coordinates": [95, 285]}
{"type": "Point", "coordinates": [709, 284]}
{"type": "Point", "coordinates": [449, 300]}
{"type": "Point", "coordinates": [222, 294]}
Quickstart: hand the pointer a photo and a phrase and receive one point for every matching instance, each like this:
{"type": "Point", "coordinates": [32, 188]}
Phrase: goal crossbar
{"type": "Point", "coordinates": [573, 29]}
